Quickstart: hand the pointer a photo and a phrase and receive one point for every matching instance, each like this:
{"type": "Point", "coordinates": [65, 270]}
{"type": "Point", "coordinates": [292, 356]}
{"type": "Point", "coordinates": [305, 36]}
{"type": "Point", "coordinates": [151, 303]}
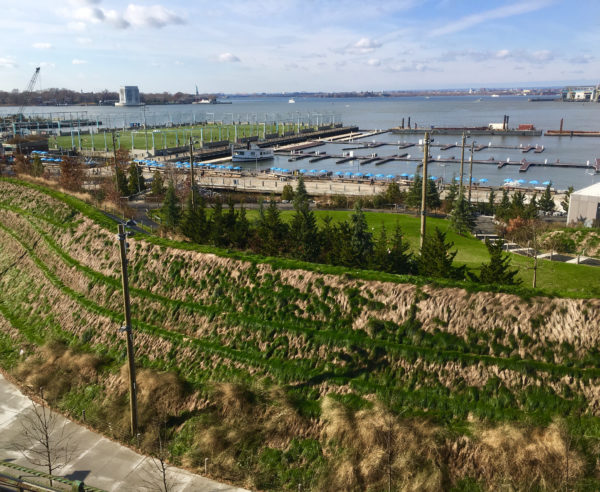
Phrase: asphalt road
{"type": "Point", "coordinates": [97, 461]}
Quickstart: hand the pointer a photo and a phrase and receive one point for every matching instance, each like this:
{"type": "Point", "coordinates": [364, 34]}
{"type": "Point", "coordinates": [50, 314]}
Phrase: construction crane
{"type": "Point", "coordinates": [27, 92]}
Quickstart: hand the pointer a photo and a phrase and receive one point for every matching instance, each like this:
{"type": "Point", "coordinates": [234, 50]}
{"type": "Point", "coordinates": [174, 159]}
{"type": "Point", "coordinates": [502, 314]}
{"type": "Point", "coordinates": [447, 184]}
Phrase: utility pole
{"type": "Point", "coordinates": [462, 162]}
{"type": "Point", "coordinates": [115, 159]}
{"type": "Point", "coordinates": [193, 184]}
{"type": "Point", "coordinates": [127, 329]}
{"type": "Point", "coordinates": [471, 171]}
{"type": "Point", "coordinates": [424, 189]}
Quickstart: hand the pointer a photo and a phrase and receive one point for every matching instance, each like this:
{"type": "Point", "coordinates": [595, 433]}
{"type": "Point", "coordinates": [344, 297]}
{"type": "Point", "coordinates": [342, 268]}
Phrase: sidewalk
{"type": "Point", "coordinates": [98, 461]}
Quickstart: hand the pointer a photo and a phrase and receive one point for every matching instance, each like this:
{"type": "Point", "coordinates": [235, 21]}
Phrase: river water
{"type": "Point", "coordinates": [383, 113]}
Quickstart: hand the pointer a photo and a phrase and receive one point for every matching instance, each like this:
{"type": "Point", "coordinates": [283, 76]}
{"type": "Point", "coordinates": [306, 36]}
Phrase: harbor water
{"type": "Point", "coordinates": [384, 113]}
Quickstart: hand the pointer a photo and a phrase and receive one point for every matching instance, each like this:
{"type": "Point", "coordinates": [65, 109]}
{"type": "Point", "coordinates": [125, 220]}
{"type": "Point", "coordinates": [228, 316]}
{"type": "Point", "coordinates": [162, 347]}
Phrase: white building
{"type": "Point", "coordinates": [585, 204]}
{"type": "Point", "coordinates": [129, 95]}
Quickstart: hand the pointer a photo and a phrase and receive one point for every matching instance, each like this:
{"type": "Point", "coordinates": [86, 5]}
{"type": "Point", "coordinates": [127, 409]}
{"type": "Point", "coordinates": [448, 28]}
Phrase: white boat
{"type": "Point", "coordinates": [495, 95]}
{"type": "Point", "coordinates": [252, 154]}
{"type": "Point", "coordinates": [291, 100]}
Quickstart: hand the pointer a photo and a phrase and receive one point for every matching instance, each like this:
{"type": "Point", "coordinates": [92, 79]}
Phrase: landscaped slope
{"type": "Point", "coordinates": [346, 351]}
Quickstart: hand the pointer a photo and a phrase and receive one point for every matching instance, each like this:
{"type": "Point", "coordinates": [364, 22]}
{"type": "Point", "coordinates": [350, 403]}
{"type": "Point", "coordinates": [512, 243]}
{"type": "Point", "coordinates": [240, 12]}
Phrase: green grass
{"type": "Point", "coordinates": [168, 137]}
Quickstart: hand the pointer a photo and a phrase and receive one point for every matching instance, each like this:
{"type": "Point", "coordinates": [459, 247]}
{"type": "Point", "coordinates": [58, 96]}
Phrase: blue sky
{"type": "Point", "coordinates": [238, 46]}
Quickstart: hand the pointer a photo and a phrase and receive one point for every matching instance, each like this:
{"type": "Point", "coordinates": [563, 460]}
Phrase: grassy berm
{"type": "Point", "coordinates": [286, 374]}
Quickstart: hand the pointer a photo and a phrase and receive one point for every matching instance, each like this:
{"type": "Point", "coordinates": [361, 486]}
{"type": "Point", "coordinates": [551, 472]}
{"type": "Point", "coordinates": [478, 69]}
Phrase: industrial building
{"type": "Point", "coordinates": [581, 94]}
{"type": "Point", "coordinates": [129, 95]}
{"type": "Point", "coordinates": [584, 205]}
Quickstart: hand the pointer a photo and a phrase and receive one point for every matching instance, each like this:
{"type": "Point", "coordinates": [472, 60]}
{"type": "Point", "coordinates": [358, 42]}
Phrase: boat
{"type": "Point", "coordinates": [291, 100]}
{"type": "Point", "coordinates": [252, 154]}
{"type": "Point", "coordinates": [495, 95]}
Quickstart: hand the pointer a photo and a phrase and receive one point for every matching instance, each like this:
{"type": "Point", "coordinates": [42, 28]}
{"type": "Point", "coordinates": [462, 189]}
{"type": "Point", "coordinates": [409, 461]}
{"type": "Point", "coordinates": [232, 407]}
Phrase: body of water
{"type": "Point", "coordinates": [383, 113]}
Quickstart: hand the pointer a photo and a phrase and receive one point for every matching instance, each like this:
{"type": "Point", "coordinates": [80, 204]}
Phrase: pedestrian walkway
{"type": "Point", "coordinates": [97, 461]}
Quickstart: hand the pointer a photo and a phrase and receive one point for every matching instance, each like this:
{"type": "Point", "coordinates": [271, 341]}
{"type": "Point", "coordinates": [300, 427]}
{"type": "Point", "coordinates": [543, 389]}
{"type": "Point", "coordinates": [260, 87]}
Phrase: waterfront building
{"type": "Point", "coordinates": [129, 95]}
{"type": "Point", "coordinates": [581, 94]}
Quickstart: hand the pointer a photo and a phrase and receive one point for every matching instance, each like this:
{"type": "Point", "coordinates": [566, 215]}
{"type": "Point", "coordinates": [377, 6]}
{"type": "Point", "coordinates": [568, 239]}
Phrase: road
{"type": "Point", "coordinates": [98, 461]}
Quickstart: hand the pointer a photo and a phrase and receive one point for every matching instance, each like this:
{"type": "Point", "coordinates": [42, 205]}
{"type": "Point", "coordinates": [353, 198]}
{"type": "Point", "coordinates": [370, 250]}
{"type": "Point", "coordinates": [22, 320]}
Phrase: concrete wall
{"type": "Point", "coordinates": [585, 206]}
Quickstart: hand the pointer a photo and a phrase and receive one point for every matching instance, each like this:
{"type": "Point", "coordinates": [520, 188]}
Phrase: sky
{"type": "Point", "coordinates": [248, 46]}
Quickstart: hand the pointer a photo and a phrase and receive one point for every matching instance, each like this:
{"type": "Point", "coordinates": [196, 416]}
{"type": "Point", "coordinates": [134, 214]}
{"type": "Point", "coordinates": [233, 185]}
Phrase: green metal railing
{"type": "Point", "coordinates": [26, 480]}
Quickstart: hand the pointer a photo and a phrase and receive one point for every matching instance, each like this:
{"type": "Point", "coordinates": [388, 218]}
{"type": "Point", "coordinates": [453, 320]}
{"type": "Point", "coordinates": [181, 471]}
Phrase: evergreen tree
{"type": "Point", "coordinates": [122, 185]}
{"type": "Point", "coordinates": [272, 231]}
{"type": "Point", "coordinates": [329, 241]}
{"type": "Point", "coordinates": [393, 194]}
{"type": "Point", "coordinates": [230, 222]}
{"type": "Point", "coordinates": [158, 185]}
{"type": "Point", "coordinates": [304, 232]}
{"type": "Point", "coordinates": [381, 252]}
{"type": "Point", "coordinates": [135, 182]}
{"type": "Point", "coordinates": [432, 199]}
{"type": "Point", "coordinates": [565, 202]}
{"type": "Point", "coordinates": [288, 193]}
{"type": "Point", "coordinates": [546, 203]}
{"type": "Point", "coordinates": [361, 242]}
{"type": "Point", "coordinates": [193, 222]}
{"type": "Point", "coordinates": [531, 209]}
{"type": "Point", "coordinates": [217, 226]}
{"type": "Point", "coordinates": [242, 230]}
{"type": "Point", "coordinates": [451, 196]}
{"type": "Point", "coordinates": [498, 270]}
{"type": "Point", "coordinates": [171, 209]}
{"type": "Point", "coordinates": [401, 260]}
{"type": "Point", "coordinates": [461, 217]}
{"type": "Point", "coordinates": [344, 253]}
{"type": "Point", "coordinates": [503, 208]}
{"type": "Point", "coordinates": [491, 202]}
{"type": "Point", "coordinates": [436, 258]}
{"type": "Point", "coordinates": [517, 205]}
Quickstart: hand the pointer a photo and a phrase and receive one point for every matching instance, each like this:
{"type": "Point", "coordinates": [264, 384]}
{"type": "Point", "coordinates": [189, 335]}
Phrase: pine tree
{"type": "Point", "coordinates": [498, 270]}
{"type": "Point", "coordinates": [531, 209]}
{"type": "Point", "coordinates": [503, 208]}
{"type": "Point", "coordinates": [381, 252]}
{"type": "Point", "coordinates": [517, 205]}
{"type": "Point", "coordinates": [171, 209]}
{"type": "Point", "coordinates": [230, 223]}
{"type": "Point", "coordinates": [329, 241]}
{"type": "Point", "coordinates": [135, 182]}
{"type": "Point", "coordinates": [272, 231]}
{"type": "Point", "coordinates": [193, 222]}
{"type": "Point", "coordinates": [491, 202]}
{"type": "Point", "coordinates": [304, 232]}
{"type": "Point", "coordinates": [122, 185]}
{"type": "Point", "coordinates": [546, 202]}
{"type": "Point", "coordinates": [401, 259]}
{"type": "Point", "coordinates": [451, 196]}
{"type": "Point", "coordinates": [393, 194]}
{"type": "Point", "coordinates": [461, 217]}
{"type": "Point", "coordinates": [242, 231]}
{"type": "Point", "coordinates": [217, 225]}
{"type": "Point", "coordinates": [565, 202]}
{"type": "Point", "coordinates": [158, 185]}
{"type": "Point", "coordinates": [436, 258]}
{"type": "Point", "coordinates": [37, 167]}
{"type": "Point", "coordinates": [361, 242]}
{"type": "Point", "coordinates": [432, 199]}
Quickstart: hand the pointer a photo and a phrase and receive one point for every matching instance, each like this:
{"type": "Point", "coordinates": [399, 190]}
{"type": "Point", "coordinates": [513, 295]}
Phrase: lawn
{"type": "Point", "coordinates": [552, 276]}
{"type": "Point", "coordinates": [168, 137]}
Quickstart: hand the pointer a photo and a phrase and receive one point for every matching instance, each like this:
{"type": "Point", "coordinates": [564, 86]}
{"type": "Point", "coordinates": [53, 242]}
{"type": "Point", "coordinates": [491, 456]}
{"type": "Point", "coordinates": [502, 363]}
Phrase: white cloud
{"type": "Point", "coordinates": [42, 46]}
{"type": "Point", "coordinates": [366, 45]}
{"type": "Point", "coordinates": [497, 13]}
{"type": "Point", "coordinates": [150, 16]}
{"type": "Point", "coordinates": [89, 14]}
{"type": "Point", "coordinates": [228, 58]}
{"type": "Point", "coordinates": [76, 26]}
{"type": "Point", "coordinates": [8, 62]}
{"type": "Point", "coordinates": [374, 62]}
{"type": "Point", "coordinates": [84, 41]}
{"type": "Point", "coordinates": [77, 61]}
{"type": "Point", "coordinates": [581, 59]}
{"type": "Point", "coordinates": [116, 19]}
{"type": "Point", "coordinates": [46, 64]}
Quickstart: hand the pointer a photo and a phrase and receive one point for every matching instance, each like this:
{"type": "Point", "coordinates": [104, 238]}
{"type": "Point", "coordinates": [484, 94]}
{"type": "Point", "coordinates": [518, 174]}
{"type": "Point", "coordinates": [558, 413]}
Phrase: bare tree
{"type": "Point", "coordinates": [45, 441]}
{"type": "Point", "coordinates": [159, 477]}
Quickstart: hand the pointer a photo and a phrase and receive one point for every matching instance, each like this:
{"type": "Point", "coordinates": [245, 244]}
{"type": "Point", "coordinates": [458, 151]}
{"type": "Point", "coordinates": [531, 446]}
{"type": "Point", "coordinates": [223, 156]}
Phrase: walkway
{"type": "Point", "coordinates": [99, 461]}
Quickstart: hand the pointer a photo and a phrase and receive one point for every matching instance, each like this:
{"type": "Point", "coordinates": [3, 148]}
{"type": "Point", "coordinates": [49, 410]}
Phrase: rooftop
{"type": "Point", "coordinates": [593, 190]}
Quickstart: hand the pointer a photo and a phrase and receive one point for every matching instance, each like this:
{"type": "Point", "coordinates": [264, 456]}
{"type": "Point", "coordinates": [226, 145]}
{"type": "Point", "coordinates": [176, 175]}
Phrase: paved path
{"type": "Point", "coordinates": [98, 461]}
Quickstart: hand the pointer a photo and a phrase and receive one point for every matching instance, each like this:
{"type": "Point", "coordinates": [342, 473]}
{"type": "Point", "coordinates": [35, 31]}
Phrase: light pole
{"type": "Point", "coordinates": [424, 190]}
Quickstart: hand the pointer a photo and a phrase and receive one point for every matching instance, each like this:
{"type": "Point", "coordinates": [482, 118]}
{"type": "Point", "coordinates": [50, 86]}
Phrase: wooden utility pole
{"type": "Point", "coordinates": [128, 332]}
{"type": "Point", "coordinates": [115, 160]}
{"type": "Point", "coordinates": [193, 184]}
{"type": "Point", "coordinates": [471, 171]}
{"type": "Point", "coordinates": [424, 189]}
{"type": "Point", "coordinates": [462, 163]}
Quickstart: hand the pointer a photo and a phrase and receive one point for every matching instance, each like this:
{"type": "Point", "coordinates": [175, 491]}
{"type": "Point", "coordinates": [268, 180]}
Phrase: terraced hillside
{"type": "Point", "coordinates": [287, 374]}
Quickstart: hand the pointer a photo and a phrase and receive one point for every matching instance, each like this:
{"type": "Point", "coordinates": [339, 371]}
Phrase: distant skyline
{"type": "Point", "coordinates": [242, 46]}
